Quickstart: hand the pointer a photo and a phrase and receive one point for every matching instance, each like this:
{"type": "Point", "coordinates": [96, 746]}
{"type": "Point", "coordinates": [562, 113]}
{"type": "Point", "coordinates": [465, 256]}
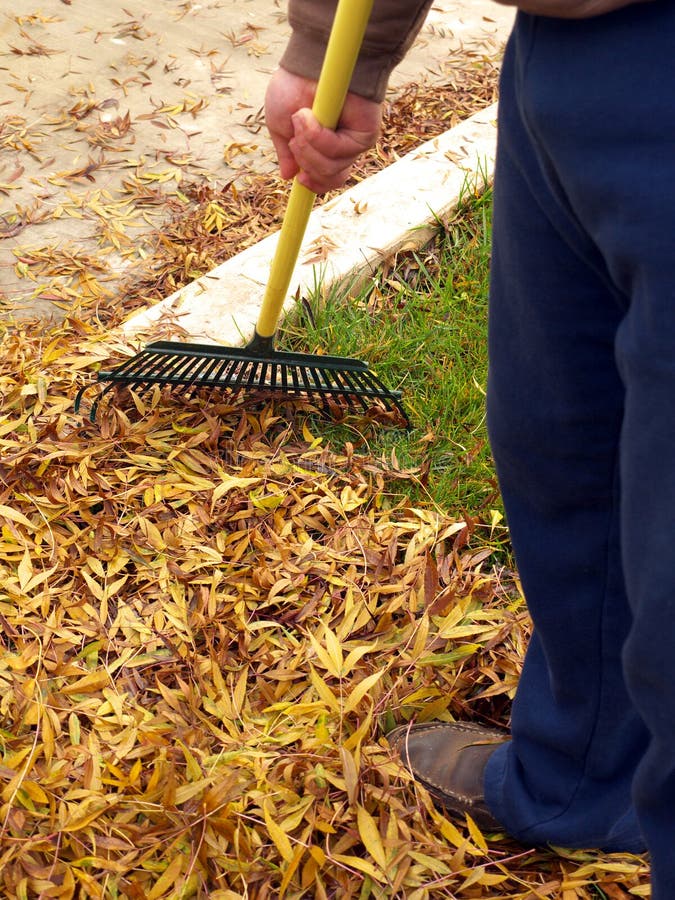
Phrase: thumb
{"type": "Point", "coordinates": [306, 126]}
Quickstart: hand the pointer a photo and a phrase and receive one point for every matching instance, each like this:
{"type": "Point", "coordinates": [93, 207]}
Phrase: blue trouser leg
{"type": "Point", "coordinates": [581, 404]}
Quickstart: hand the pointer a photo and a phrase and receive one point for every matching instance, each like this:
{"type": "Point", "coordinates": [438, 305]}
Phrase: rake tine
{"type": "Point", "coordinates": [308, 381]}
{"type": "Point", "coordinates": [284, 378]}
{"type": "Point", "coordinates": [146, 369]}
{"type": "Point", "coordinates": [336, 385]}
{"type": "Point", "coordinates": [79, 395]}
{"type": "Point", "coordinates": [203, 373]}
{"type": "Point", "coordinates": [296, 381]}
{"type": "Point", "coordinates": [243, 374]}
{"type": "Point", "coordinates": [179, 370]}
{"type": "Point", "coordinates": [153, 368]}
{"type": "Point", "coordinates": [384, 391]}
{"type": "Point", "coordinates": [301, 383]}
{"type": "Point", "coordinates": [199, 378]}
{"type": "Point", "coordinates": [333, 386]}
{"type": "Point", "coordinates": [128, 368]}
{"type": "Point", "coordinates": [352, 381]}
{"type": "Point", "coordinates": [314, 379]}
{"type": "Point", "coordinates": [314, 386]}
{"type": "Point", "coordinates": [210, 373]}
{"type": "Point", "coordinates": [97, 402]}
{"type": "Point", "coordinates": [362, 387]}
{"type": "Point", "coordinates": [179, 376]}
{"type": "Point", "coordinates": [367, 384]}
{"type": "Point", "coordinates": [352, 389]}
{"type": "Point", "coordinates": [259, 376]}
{"type": "Point", "coordinates": [225, 371]}
{"type": "Point", "coordinates": [182, 371]}
{"type": "Point", "coordinates": [254, 372]}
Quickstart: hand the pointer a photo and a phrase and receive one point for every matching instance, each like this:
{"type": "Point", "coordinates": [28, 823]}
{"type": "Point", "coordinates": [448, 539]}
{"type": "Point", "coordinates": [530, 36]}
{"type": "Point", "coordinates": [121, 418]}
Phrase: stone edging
{"type": "Point", "coordinates": [346, 239]}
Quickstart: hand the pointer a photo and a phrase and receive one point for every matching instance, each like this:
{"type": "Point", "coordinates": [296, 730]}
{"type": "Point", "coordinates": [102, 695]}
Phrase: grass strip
{"type": "Point", "coordinates": [422, 326]}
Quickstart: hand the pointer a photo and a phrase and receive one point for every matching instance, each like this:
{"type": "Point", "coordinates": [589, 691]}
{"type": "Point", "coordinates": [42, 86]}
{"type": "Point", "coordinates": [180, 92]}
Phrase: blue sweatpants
{"type": "Point", "coordinates": [581, 412]}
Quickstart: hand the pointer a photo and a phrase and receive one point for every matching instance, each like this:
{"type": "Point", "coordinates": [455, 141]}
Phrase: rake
{"type": "Point", "coordinates": [259, 367]}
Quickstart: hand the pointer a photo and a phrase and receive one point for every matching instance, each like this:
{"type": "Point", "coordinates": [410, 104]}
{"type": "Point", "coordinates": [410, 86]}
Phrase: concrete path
{"type": "Point", "coordinates": [102, 102]}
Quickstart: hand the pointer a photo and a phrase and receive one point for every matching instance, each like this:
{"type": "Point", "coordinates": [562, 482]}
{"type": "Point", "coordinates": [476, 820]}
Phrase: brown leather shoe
{"type": "Point", "coordinates": [448, 759]}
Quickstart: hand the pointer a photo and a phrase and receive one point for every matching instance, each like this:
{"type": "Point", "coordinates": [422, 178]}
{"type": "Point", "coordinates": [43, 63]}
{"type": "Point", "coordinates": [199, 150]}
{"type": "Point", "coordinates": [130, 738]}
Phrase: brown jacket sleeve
{"type": "Point", "coordinates": [392, 28]}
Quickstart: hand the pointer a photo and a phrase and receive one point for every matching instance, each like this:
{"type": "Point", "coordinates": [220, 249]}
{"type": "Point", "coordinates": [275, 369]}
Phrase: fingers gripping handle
{"type": "Point", "coordinates": [344, 43]}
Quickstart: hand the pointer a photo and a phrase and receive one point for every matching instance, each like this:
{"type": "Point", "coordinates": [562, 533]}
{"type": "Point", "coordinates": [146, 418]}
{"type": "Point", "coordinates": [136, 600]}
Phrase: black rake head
{"type": "Point", "coordinates": [237, 369]}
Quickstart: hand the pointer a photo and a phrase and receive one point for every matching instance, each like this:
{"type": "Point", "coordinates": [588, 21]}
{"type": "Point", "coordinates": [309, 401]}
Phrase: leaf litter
{"type": "Point", "coordinates": [210, 618]}
{"type": "Point", "coordinates": [157, 229]}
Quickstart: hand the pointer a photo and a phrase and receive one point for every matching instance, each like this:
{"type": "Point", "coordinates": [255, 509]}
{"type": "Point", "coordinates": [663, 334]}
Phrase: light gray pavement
{"type": "Point", "coordinates": [105, 106]}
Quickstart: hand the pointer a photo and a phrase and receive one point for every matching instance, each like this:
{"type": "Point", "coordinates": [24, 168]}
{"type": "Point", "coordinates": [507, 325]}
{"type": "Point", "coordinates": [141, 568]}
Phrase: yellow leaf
{"type": "Point", "coordinates": [34, 791]}
{"type": "Point", "coordinates": [309, 437]}
{"type": "Point", "coordinates": [74, 729]}
{"type": "Point", "coordinates": [355, 655]}
{"type": "Point", "coordinates": [96, 566]}
{"type": "Point", "coordinates": [83, 817]}
{"type": "Point", "coordinates": [354, 741]}
{"type": "Point", "coordinates": [421, 637]}
{"type": "Point", "coordinates": [450, 832]}
{"type": "Point", "coordinates": [475, 876]}
{"type": "Point", "coordinates": [229, 483]}
{"type": "Point", "coordinates": [114, 586]}
{"type": "Point", "coordinates": [370, 835]}
{"type": "Point", "coordinates": [167, 879]}
{"type": "Point", "coordinates": [317, 855]}
{"type": "Point", "coordinates": [290, 871]}
{"type": "Point", "coordinates": [279, 837]}
{"type": "Point", "coordinates": [94, 587]}
{"type": "Point", "coordinates": [350, 500]}
{"type": "Point", "coordinates": [38, 579]}
{"type": "Point", "coordinates": [48, 746]}
{"type": "Point", "coordinates": [361, 689]}
{"type": "Point", "coordinates": [328, 697]}
{"type": "Point", "coordinates": [476, 834]}
{"type": "Point", "coordinates": [331, 661]}
{"type": "Point", "coordinates": [25, 570]}
{"type": "Point", "coordinates": [321, 730]}
{"type": "Point", "coordinates": [192, 767]}
{"type": "Point", "coordinates": [94, 681]}
{"type": "Point", "coordinates": [187, 791]}
{"type": "Point", "coordinates": [239, 692]}
{"type": "Point", "coordinates": [334, 650]}
{"type": "Point", "coordinates": [362, 865]}
{"type": "Point", "coordinates": [15, 516]}
{"type": "Point", "coordinates": [351, 774]}
{"type": "Point", "coordinates": [263, 499]}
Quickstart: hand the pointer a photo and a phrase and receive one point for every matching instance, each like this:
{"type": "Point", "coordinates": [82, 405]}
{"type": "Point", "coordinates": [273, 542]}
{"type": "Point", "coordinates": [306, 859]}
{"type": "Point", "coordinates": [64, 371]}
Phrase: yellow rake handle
{"type": "Point", "coordinates": [349, 26]}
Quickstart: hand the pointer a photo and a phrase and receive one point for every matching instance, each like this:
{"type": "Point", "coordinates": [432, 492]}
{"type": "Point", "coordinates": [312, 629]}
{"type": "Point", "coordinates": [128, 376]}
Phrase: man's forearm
{"type": "Point", "coordinates": [391, 30]}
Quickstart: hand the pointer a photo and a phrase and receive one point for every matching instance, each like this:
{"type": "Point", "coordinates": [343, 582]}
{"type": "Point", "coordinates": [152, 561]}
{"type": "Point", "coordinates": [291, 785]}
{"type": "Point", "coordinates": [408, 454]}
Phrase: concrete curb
{"type": "Point", "coordinates": [346, 240]}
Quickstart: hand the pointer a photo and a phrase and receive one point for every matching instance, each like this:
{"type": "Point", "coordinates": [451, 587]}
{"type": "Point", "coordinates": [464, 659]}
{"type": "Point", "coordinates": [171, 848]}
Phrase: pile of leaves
{"type": "Point", "coordinates": [209, 622]}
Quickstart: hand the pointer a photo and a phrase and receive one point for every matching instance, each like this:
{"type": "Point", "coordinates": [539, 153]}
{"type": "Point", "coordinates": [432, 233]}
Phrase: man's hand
{"type": "Point", "coordinates": [569, 9]}
{"type": "Point", "coordinates": [321, 158]}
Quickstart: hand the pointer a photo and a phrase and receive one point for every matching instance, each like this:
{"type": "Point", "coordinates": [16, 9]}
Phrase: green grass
{"type": "Point", "coordinates": [422, 326]}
